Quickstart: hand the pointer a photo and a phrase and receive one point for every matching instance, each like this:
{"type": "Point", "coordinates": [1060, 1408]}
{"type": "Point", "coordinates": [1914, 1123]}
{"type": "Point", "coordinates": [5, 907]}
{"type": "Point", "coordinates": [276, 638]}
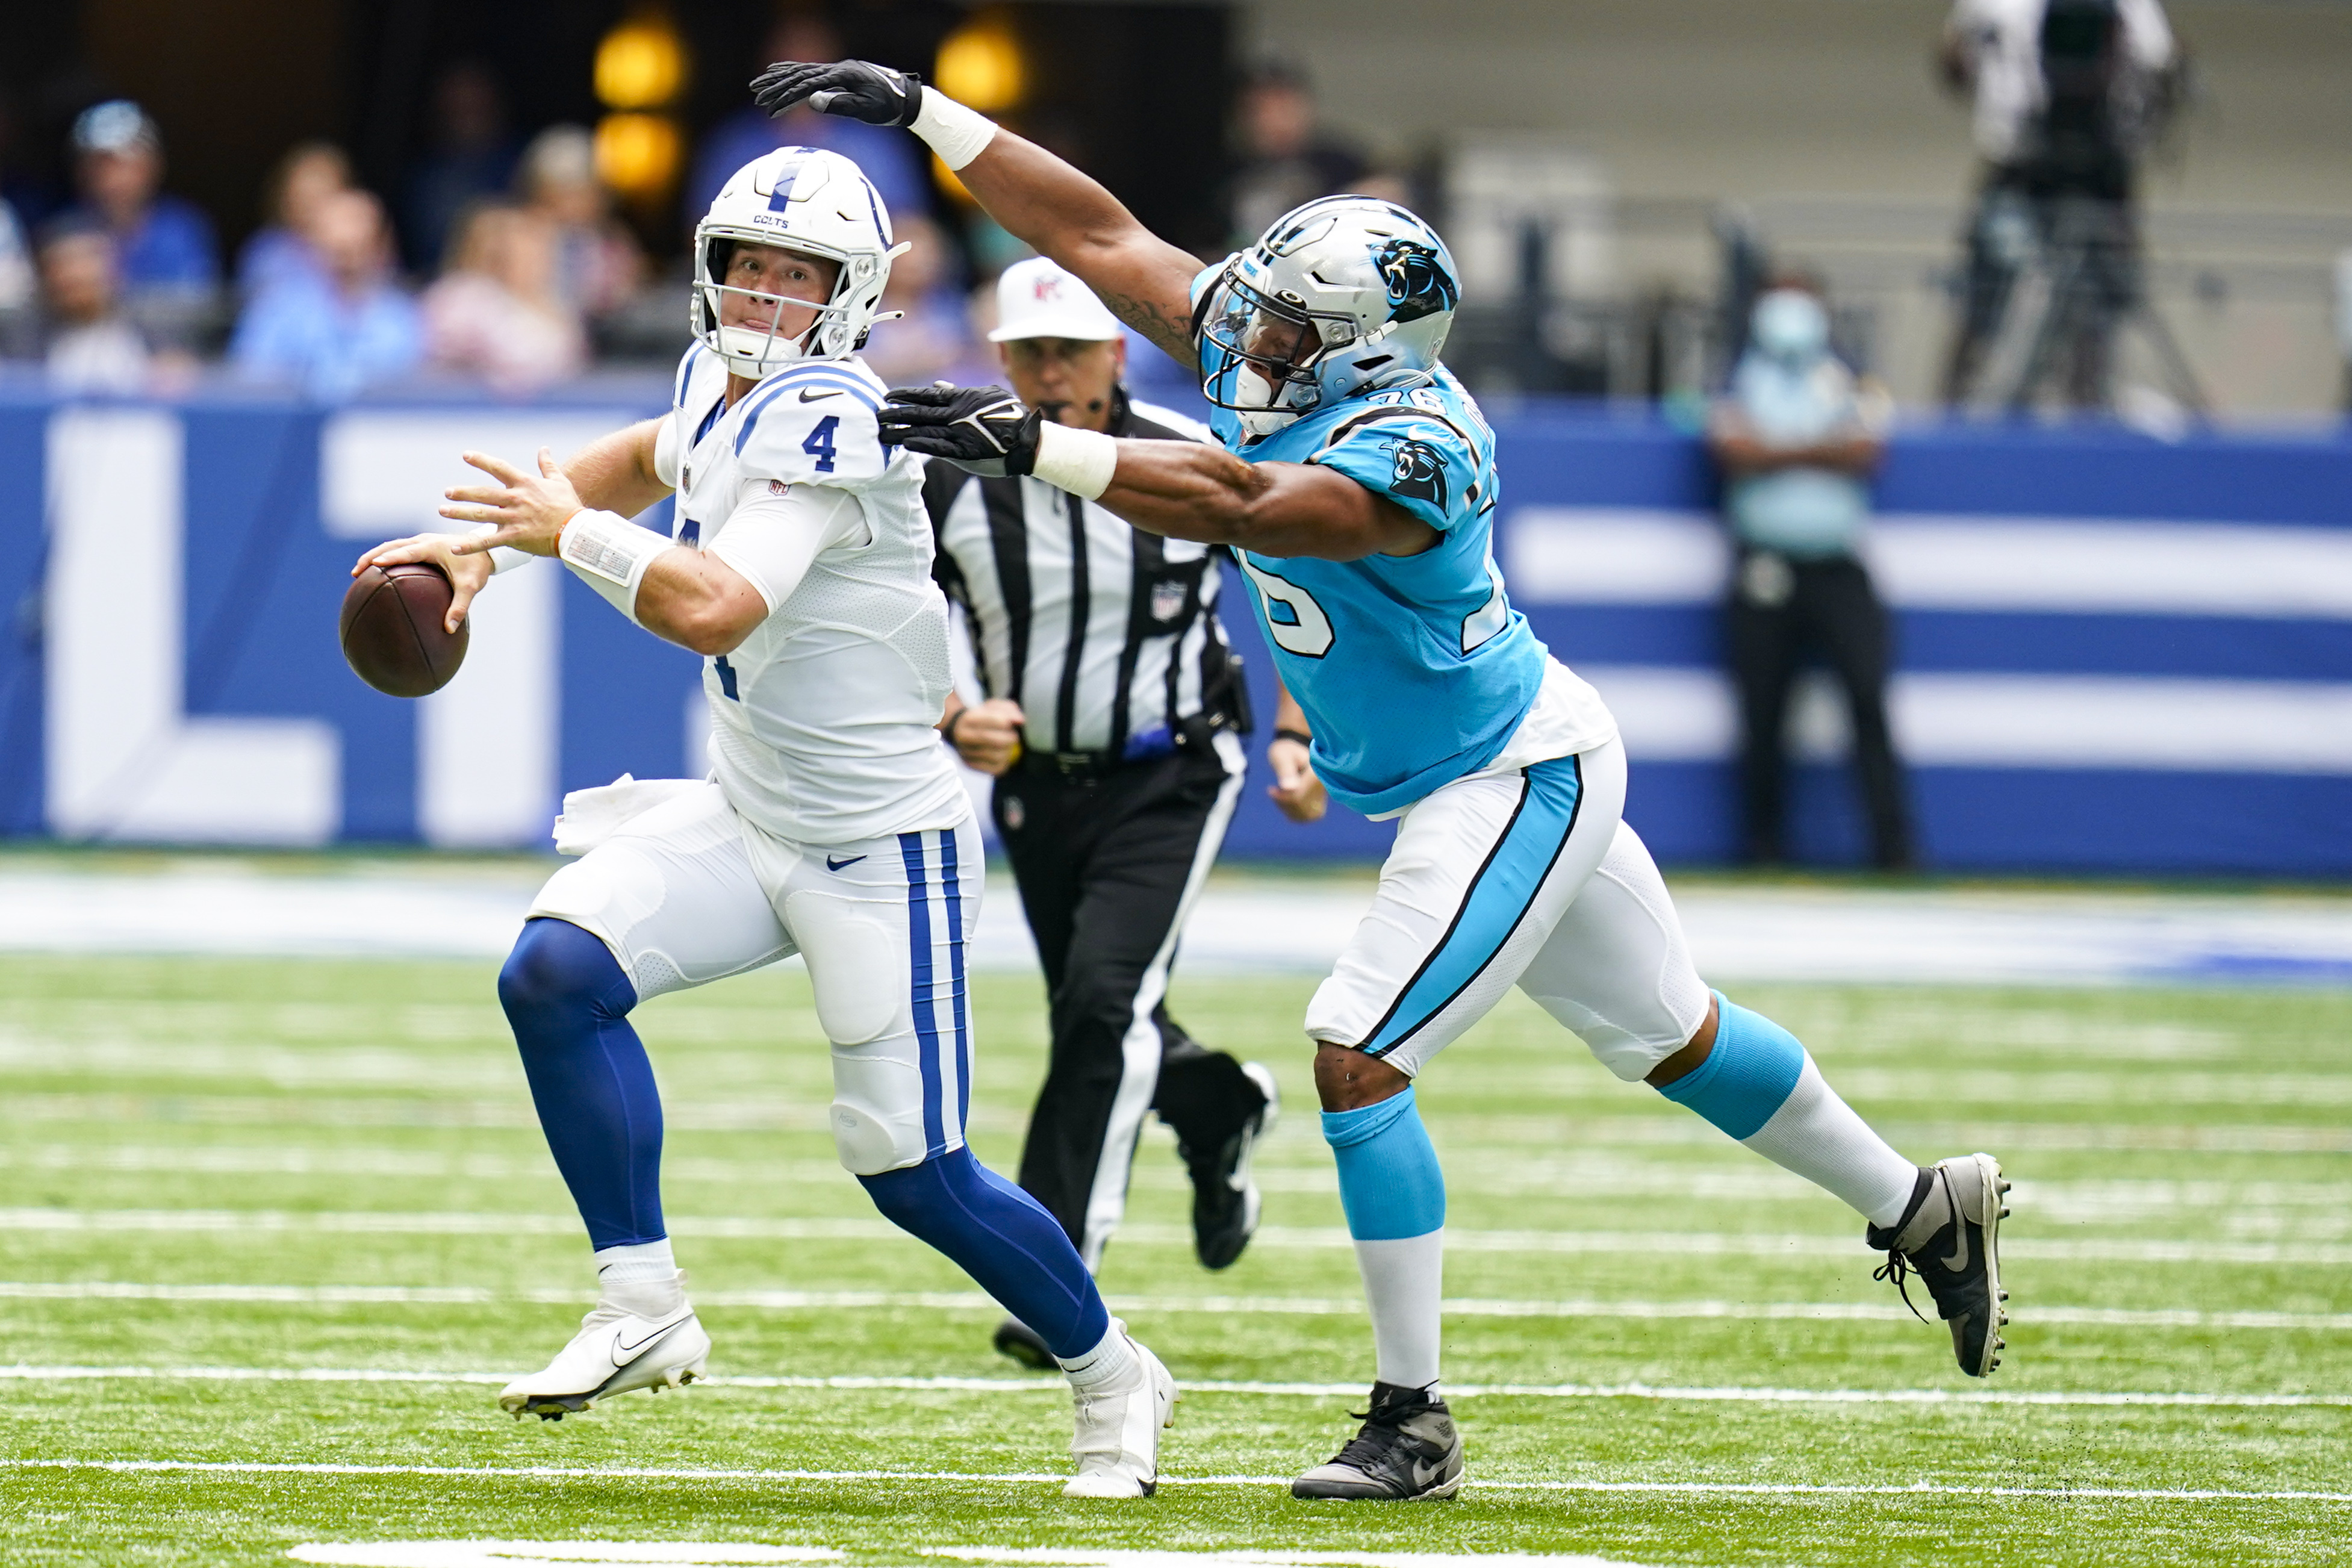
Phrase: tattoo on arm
{"type": "Point", "coordinates": [1146, 316]}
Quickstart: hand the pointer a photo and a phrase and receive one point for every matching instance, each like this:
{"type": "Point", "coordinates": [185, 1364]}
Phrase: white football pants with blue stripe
{"type": "Point", "coordinates": [690, 892]}
{"type": "Point", "coordinates": [1528, 877]}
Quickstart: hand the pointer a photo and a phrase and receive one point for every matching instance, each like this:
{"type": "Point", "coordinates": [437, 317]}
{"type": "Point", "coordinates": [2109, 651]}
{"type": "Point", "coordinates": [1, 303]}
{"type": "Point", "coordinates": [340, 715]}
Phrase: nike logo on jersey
{"type": "Point", "coordinates": [833, 864]}
{"type": "Point", "coordinates": [811, 395]}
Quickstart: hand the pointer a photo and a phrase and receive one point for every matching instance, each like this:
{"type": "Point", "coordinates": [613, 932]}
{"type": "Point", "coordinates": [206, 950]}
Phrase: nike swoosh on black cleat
{"type": "Point", "coordinates": [811, 395]}
{"type": "Point", "coordinates": [833, 864]}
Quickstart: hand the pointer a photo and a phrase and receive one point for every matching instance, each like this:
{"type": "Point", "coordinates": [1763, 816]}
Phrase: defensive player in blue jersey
{"type": "Point", "coordinates": [1358, 487]}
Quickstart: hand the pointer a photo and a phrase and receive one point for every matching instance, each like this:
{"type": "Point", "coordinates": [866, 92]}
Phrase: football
{"type": "Point", "coordinates": [393, 634]}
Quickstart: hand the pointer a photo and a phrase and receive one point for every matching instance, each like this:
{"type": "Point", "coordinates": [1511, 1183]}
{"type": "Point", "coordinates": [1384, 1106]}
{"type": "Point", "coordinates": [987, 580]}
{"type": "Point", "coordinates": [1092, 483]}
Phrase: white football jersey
{"type": "Point", "coordinates": [823, 723]}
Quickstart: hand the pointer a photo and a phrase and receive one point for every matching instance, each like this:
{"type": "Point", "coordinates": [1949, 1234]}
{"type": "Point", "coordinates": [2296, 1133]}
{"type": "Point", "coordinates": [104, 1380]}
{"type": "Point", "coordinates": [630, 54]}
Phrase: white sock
{"type": "Point", "coordinates": [1110, 1364]}
{"type": "Point", "coordinates": [642, 1278]}
{"type": "Point", "coordinates": [1817, 1135]}
{"type": "Point", "coordinates": [1403, 1282]}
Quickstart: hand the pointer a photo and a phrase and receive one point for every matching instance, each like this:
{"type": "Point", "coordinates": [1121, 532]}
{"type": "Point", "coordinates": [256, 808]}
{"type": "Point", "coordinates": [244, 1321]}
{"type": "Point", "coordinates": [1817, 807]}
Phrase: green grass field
{"type": "Point", "coordinates": [273, 1233]}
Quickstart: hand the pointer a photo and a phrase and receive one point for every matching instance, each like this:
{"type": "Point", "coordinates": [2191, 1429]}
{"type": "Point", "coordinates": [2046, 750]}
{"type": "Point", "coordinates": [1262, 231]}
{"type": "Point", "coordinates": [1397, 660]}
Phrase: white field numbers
{"type": "Point", "coordinates": [1301, 626]}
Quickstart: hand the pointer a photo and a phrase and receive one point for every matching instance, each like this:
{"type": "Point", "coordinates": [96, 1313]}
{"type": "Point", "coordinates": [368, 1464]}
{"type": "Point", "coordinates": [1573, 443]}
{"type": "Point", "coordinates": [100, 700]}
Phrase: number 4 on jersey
{"type": "Point", "coordinates": [819, 444]}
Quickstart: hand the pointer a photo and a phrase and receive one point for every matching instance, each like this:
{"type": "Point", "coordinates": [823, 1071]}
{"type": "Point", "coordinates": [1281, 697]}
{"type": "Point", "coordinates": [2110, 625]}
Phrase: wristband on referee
{"type": "Point", "coordinates": [947, 731]}
{"type": "Point", "coordinates": [956, 133]}
{"type": "Point", "coordinates": [609, 553]}
{"type": "Point", "coordinates": [1079, 461]}
{"type": "Point", "coordinates": [1301, 736]}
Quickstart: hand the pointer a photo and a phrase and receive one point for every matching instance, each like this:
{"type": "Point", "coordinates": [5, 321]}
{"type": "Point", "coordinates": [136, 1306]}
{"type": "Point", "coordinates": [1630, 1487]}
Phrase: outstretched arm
{"type": "Point", "coordinates": [1038, 198]}
{"type": "Point", "coordinates": [1183, 489]}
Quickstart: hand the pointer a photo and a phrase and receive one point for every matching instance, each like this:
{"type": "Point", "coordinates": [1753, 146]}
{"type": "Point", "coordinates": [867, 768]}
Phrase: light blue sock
{"type": "Point", "coordinates": [1389, 1180]}
{"type": "Point", "coordinates": [1759, 1085]}
{"type": "Point", "coordinates": [1749, 1074]}
{"type": "Point", "coordinates": [1395, 1198]}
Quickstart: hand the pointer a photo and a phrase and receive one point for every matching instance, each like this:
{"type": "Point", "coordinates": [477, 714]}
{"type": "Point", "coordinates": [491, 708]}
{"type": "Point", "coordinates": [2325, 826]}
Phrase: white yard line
{"type": "Point", "coordinates": [1721, 1488]}
{"type": "Point", "coordinates": [1309, 1237]}
{"type": "Point", "coordinates": [1210, 1306]}
{"type": "Point", "coordinates": [1053, 1385]}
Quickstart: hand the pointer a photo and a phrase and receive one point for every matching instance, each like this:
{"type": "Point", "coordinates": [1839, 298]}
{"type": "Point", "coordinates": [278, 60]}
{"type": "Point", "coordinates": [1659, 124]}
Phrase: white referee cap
{"type": "Point", "coordinates": [1036, 299]}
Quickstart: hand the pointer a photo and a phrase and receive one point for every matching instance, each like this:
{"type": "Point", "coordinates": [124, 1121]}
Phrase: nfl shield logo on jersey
{"type": "Point", "coordinates": [1167, 600]}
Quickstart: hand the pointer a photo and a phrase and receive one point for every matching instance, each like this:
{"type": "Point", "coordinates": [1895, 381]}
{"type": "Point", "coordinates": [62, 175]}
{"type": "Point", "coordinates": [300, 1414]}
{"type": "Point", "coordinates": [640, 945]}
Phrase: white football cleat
{"type": "Point", "coordinates": [1118, 1439]}
{"type": "Point", "coordinates": [614, 1352]}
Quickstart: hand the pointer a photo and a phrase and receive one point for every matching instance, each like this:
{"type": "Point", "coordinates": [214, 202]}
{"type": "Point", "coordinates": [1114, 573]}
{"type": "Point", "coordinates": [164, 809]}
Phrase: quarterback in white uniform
{"type": "Point", "coordinates": [834, 824]}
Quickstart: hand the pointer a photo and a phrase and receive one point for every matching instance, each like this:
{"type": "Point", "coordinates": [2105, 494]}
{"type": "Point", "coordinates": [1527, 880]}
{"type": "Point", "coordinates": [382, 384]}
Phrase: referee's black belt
{"type": "Point", "coordinates": [1192, 736]}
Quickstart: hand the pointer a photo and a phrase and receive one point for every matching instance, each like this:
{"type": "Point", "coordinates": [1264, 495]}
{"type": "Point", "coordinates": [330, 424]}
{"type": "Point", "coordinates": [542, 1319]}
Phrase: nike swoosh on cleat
{"type": "Point", "coordinates": [833, 864]}
{"type": "Point", "coordinates": [1959, 1260]}
{"type": "Point", "coordinates": [810, 394]}
{"type": "Point", "coordinates": [619, 1348]}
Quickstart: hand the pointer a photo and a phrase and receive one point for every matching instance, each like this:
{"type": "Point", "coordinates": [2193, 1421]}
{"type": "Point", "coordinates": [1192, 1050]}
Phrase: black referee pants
{"type": "Point", "coordinates": [1782, 609]}
{"type": "Point", "coordinates": [1107, 863]}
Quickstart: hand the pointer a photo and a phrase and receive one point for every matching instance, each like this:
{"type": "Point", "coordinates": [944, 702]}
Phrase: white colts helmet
{"type": "Point", "coordinates": [1344, 295]}
{"type": "Point", "coordinates": [810, 201]}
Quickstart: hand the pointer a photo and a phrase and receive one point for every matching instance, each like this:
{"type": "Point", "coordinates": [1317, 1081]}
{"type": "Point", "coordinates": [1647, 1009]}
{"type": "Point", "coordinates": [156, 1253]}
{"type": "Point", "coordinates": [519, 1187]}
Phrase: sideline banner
{"type": "Point", "coordinates": [2116, 654]}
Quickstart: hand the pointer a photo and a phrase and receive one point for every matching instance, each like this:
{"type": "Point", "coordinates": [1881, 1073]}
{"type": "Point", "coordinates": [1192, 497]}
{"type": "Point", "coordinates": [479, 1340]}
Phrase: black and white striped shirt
{"type": "Point", "coordinates": [1106, 636]}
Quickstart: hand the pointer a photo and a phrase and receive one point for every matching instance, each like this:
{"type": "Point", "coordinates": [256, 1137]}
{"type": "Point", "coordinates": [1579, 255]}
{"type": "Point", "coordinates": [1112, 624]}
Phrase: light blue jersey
{"type": "Point", "coordinates": [1413, 670]}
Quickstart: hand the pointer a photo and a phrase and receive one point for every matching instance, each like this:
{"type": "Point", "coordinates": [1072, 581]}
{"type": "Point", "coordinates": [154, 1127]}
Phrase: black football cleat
{"type": "Point", "coordinates": [1226, 1201]}
{"type": "Point", "coordinates": [1409, 1451]}
{"type": "Point", "coordinates": [1950, 1238]}
{"type": "Point", "coordinates": [1021, 1342]}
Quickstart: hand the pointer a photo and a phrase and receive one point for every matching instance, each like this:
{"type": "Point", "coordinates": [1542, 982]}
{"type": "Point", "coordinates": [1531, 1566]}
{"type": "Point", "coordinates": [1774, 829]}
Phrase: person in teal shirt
{"type": "Point", "coordinates": [1797, 441]}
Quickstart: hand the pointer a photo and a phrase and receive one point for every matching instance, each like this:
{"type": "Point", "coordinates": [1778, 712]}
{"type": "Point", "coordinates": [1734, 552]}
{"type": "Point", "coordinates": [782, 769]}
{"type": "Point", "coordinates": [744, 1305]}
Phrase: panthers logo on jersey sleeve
{"type": "Point", "coordinates": [1419, 471]}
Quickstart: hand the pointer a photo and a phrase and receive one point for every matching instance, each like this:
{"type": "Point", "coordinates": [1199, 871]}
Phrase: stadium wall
{"type": "Point", "coordinates": [2117, 655]}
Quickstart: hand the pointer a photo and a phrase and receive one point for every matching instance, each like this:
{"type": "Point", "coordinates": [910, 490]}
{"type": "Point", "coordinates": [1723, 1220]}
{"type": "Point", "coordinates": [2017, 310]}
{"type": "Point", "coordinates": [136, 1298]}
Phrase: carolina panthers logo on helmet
{"type": "Point", "coordinates": [1417, 280]}
{"type": "Point", "coordinates": [1420, 472]}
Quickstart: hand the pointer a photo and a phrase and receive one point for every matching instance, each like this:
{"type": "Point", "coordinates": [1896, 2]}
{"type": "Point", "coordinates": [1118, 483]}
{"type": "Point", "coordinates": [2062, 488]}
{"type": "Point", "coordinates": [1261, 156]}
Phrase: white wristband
{"type": "Point", "coordinates": [1079, 461]}
{"type": "Point", "coordinates": [609, 554]}
{"type": "Point", "coordinates": [503, 557]}
{"type": "Point", "coordinates": [956, 133]}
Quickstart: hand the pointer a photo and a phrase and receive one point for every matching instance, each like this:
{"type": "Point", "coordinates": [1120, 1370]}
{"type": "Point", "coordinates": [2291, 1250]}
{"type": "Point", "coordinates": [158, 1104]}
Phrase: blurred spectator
{"type": "Point", "coordinates": [495, 312]}
{"type": "Point", "coordinates": [1796, 444]}
{"type": "Point", "coordinates": [934, 335]}
{"type": "Point", "coordinates": [16, 286]}
{"type": "Point", "coordinates": [888, 157]}
{"type": "Point", "coordinates": [343, 329]}
{"type": "Point", "coordinates": [92, 346]}
{"type": "Point", "coordinates": [598, 267]}
{"type": "Point", "coordinates": [473, 157]}
{"type": "Point", "coordinates": [1287, 157]}
{"type": "Point", "coordinates": [2065, 94]}
{"type": "Point", "coordinates": [278, 252]}
{"type": "Point", "coordinates": [168, 261]}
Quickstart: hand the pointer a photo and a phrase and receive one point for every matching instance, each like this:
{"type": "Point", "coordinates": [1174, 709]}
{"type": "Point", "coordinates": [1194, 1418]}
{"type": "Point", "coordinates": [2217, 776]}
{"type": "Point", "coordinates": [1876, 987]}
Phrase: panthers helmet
{"type": "Point", "coordinates": [1344, 295]}
{"type": "Point", "coordinates": [803, 199]}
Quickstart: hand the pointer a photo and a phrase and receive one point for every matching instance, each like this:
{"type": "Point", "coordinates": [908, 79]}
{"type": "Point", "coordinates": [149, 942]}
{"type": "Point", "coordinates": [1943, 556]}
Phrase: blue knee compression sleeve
{"type": "Point", "coordinates": [1747, 1076]}
{"type": "Point", "coordinates": [1003, 1238]}
{"type": "Point", "coordinates": [1389, 1180]}
{"type": "Point", "coordinates": [569, 1002]}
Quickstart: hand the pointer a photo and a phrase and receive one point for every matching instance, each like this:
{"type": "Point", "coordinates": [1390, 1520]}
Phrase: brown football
{"type": "Point", "coordinates": [392, 632]}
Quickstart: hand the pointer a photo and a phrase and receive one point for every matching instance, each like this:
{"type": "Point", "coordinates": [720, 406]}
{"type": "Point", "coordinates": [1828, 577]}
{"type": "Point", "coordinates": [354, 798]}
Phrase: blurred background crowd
{"type": "Point", "coordinates": [335, 197]}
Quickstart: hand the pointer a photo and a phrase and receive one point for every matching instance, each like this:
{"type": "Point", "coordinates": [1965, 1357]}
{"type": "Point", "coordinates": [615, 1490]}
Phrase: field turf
{"type": "Point", "coordinates": [273, 1233]}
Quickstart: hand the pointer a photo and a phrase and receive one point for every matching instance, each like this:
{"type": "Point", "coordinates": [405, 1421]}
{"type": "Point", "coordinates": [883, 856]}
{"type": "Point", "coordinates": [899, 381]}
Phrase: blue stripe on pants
{"type": "Point", "coordinates": [952, 883]}
{"type": "Point", "coordinates": [1496, 901]}
{"type": "Point", "coordinates": [926, 1012]}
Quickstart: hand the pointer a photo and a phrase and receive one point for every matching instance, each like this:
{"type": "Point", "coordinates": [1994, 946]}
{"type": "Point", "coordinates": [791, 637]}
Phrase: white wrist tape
{"type": "Point", "coordinates": [609, 554]}
{"type": "Point", "coordinates": [1079, 461]}
{"type": "Point", "coordinates": [956, 133]}
{"type": "Point", "coordinates": [503, 557]}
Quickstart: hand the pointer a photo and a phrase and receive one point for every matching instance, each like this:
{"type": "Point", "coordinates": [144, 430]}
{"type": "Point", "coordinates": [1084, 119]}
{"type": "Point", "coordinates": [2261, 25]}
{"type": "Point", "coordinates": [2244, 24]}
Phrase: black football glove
{"type": "Point", "coordinates": [983, 430]}
{"type": "Point", "coordinates": [851, 89]}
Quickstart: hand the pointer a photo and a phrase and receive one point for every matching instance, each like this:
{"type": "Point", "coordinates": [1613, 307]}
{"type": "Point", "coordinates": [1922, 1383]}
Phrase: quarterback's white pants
{"type": "Point", "coordinates": [1529, 878]}
{"type": "Point", "coordinates": [689, 892]}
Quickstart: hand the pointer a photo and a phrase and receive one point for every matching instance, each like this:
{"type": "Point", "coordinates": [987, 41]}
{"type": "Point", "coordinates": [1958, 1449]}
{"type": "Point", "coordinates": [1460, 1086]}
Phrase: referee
{"type": "Point", "coordinates": [1113, 723]}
